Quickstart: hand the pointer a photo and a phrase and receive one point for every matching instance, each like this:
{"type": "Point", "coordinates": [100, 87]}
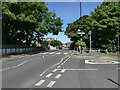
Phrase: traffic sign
{"type": "Point", "coordinates": [81, 33]}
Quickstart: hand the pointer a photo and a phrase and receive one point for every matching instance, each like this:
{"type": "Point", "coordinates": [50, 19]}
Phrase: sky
{"type": "Point", "coordinates": [69, 12]}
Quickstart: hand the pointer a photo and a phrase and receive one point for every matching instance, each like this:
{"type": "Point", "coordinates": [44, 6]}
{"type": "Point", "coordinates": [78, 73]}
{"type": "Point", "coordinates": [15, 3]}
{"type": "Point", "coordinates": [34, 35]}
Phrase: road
{"type": "Point", "coordinates": [57, 69]}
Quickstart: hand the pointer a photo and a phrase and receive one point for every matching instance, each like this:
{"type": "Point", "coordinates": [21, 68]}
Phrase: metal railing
{"type": "Point", "coordinates": [15, 49]}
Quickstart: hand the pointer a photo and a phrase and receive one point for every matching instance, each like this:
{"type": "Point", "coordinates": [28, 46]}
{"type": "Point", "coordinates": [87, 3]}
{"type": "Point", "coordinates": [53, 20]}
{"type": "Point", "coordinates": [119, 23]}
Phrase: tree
{"type": "Point", "coordinates": [56, 43]}
{"type": "Point", "coordinates": [27, 21]}
{"type": "Point", "coordinates": [104, 23]}
{"type": "Point", "coordinates": [84, 24]}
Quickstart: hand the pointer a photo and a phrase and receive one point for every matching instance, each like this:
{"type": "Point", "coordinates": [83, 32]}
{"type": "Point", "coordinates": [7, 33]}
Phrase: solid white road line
{"type": "Point", "coordinates": [54, 70]}
{"type": "Point", "coordinates": [40, 83]}
{"type": "Point", "coordinates": [63, 70]}
{"type": "Point", "coordinates": [50, 74]}
{"type": "Point", "coordinates": [51, 83]}
{"type": "Point", "coordinates": [58, 76]}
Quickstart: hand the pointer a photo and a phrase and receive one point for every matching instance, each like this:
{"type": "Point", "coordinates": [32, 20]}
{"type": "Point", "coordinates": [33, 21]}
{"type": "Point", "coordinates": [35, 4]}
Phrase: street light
{"type": "Point", "coordinates": [80, 33]}
{"type": "Point", "coordinates": [89, 33]}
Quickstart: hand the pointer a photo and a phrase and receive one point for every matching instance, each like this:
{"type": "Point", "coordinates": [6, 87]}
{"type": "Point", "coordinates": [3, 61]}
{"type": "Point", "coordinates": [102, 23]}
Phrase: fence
{"type": "Point", "coordinates": [96, 52]}
{"type": "Point", "coordinates": [12, 49]}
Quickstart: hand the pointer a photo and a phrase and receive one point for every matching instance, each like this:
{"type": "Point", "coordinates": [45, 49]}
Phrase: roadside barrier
{"type": "Point", "coordinates": [12, 49]}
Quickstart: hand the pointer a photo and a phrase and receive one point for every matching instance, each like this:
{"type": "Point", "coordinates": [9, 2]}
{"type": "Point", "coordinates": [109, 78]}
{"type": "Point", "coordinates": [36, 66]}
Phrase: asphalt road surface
{"type": "Point", "coordinates": [57, 69]}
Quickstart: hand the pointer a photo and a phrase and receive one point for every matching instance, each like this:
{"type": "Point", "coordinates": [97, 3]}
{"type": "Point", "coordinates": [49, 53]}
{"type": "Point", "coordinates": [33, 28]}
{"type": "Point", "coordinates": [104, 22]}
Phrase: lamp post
{"type": "Point", "coordinates": [80, 33]}
{"type": "Point", "coordinates": [89, 33]}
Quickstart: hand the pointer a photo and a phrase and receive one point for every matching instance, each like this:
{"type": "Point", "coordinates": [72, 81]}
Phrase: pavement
{"type": "Point", "coordinates": [58, 69]}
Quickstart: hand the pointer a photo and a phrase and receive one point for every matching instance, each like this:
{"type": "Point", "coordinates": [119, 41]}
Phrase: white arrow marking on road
{"type": "Point", "coordinates": [51, 83]}
{"type": "Point", "coordinates": [40, 83]}
{"type": "Point", "coordinates": [58, 76]}
{"type": "Point", "coordinates": [50, 74]}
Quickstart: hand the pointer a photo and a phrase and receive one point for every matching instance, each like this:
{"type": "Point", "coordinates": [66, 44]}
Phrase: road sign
{"type": "Point", "coordinates": [81, 33]}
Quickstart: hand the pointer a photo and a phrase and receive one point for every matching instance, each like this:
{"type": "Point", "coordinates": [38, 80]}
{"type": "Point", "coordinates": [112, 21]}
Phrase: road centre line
{"type": "Point", "coordinates": [40, 83]}
{"type": "Point", "coordinates": [53, 65]}
{"type": "Point", "coordinates": [50, 74]}
{"type": "Point", "coordinates": [58, 76]}
{"type": "Point", "coordinates": [22, 63]}
{"type": "Point", "coordinates": [51, 83]}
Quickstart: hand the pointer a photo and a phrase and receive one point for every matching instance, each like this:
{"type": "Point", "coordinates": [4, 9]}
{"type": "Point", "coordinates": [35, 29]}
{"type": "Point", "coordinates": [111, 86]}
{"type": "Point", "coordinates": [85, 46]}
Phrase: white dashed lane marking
{"type": "Point", "coordinates": [54, 70]}
{"type": "Point", "coordinates": [63, 70]}
{"type": "Point", "coordinates": [51, 84]}
{"type": "Point", "coordinates": [58, 67]}
{"type": "Point", "coordinates": [58, 53]}
{"type": "Point", "coordinates": [50, 74]}
{"type": "Point", "coordinates": [40, 83]}
{"type": "Point", "coordinates": [58, 76]}
{"type": "Point", "coordinates": [45, 53]}
{"type": "Point", "coordinates": [52, 53]}
{"type": "Point", "coordinates": [65, 53]}
{"type": "Point", "coordinates": [62, 63]}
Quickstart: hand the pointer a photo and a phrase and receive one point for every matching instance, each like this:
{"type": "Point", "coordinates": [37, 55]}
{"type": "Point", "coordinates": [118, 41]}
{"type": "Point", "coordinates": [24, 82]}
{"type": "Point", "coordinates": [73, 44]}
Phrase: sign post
{"type": "Point", "coordinates": [89, 33]}
{"type": "Point", "coordinates": [80, 33]}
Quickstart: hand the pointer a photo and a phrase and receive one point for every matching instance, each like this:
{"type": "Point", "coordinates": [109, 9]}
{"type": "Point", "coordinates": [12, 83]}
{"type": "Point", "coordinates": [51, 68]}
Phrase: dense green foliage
{"type": "Point", "coordinates": [27, 21]}
{"type": "Point", "coordinates": [56, 43]}
{"type": "Point", "coordinates": [104, 23]}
